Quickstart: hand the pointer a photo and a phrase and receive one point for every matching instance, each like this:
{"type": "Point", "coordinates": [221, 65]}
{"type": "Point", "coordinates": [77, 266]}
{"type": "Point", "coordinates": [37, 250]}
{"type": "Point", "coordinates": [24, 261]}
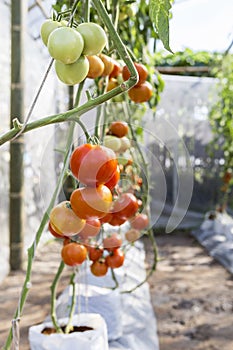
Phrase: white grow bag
{"type": "Point", "coordinates": [95, 339]}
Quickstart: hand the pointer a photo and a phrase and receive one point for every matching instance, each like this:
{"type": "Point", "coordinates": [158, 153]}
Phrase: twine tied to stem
{"type": "Point", "coordinates": [15, 333]}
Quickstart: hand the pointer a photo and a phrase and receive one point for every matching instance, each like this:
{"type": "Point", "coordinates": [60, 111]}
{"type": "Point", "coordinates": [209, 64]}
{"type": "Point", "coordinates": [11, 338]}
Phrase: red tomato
{"type": "Point", "coordinates": [140, 221]}
{"type": "Point", "coordinates": [126, 205]}
{"type": "Point", "coordinates": [112, 182]}
{"type": "Point", "coordinates": [73, 254]}
{"type": "Point", "coordinates": [117, 69]}
{"type": "Point", "coordinates": [119, 128]}
{"type": "Point", "coordinates": [64, 220]}
{"type": "Point", "coordinates": [142, 72]}
{"type": "Point", "coordinates": [112, 242]}
{"type": "Point", "coordinates": [141, 93]}
{"type": "Point", "coordinates": [99, 268]}
{"type": "Point", "coordinates": [91, 202]}
{"type": "Point", "coordinates": [95, 252]}
{"type": "Point", "coordinates": [93, 164]}
{"type": "Point", "coordinates": [106, 218]}
{"type": "Point", "coordinates": [115, 259]}
{"type": "Point", "coordinates": [116, 220]}
{"type": "Point", "coordinates": [91, 228]}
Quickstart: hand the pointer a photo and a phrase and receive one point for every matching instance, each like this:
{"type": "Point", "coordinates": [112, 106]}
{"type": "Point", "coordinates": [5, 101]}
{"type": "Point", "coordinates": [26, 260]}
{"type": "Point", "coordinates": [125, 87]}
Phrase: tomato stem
{"type": "Point", "coordinates": [53, 297]}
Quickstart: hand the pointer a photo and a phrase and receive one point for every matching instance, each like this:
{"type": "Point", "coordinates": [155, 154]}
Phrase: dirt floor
{"type": "Point", "coordinates": [191, 294]}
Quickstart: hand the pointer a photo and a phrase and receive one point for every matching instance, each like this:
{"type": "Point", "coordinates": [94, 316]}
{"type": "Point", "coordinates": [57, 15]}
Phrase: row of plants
{"type": "Point", "coordinates": [109, 170]}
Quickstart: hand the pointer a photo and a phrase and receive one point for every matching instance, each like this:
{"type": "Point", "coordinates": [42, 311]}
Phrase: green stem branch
{"type": "Point", "coordinates": [53, 297]}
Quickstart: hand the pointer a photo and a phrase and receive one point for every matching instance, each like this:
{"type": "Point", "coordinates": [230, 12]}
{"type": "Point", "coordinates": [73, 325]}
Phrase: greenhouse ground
{"type": "Point", "coordinates": [190, 292]}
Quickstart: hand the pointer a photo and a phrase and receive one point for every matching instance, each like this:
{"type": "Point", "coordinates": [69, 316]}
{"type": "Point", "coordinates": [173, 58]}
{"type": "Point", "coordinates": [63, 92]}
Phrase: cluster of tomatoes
{"type": "Point", "coordinates": [80, 220]}
{"type": "Point", "coordinates": [78, 55]}
{"type": "Point", "coordinates": [142, 91]}
{"type": "Point", "coordinates": [71, 46]}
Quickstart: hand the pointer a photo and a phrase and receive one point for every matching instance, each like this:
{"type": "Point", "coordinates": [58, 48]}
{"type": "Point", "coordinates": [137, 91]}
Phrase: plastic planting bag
{"type": "Point", "coordinates": [95, 339]}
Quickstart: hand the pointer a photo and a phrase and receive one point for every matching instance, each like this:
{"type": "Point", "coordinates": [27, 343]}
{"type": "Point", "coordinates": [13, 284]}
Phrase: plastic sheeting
{"type": "Point", "coordinates": [216, 236]}
{"type": "Point", "coordinates": [129, 317]}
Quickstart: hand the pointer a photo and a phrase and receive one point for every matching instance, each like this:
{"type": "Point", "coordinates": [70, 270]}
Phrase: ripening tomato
{"type": "Point", "coordinates": [95, 252]}
{"type": "Point", "coordinates": [46, 29]}
{"type": "Point", "coordinates": [140, 221]}
{"type": "Point", "coordinates": [141, 93]}
{"type": "Point", "coordinates": [114, 179]}
{"type": "Point", "coordinates": [112, 142]}
{"type": "Point", "coordinates": [115, 259]}
{"type": "Point", "coordinates": [119, 128]}
{"type": "Point", "coordinates": [142, 72]}
{"type": "Point", "coordinates": [95, 38]}
{"type": "Point", "coordinates": [93, 164]}
{"type": "Point", "coordinates": [106, 218]}
{"type": "Point", "coordinates": [117, 69]}
{"type": "Point", "coordinates": [108, 64]}
{"type": "Point", "coordinates": [112, 84]}
{"type": "Point", "coordinates": [73, 254]}
{"type": "Point", "coordinates": [132, 235]}
{"type": "Point", "coordinates": [65, 221]}
{"type": "Point", "coordinates": [91, 228]}
{"type": "Point", "coordinates": [96, 67]}
{"type": "Point", "coordinates": [99, 268]}
{"type": "Point", "coordinates": [65, 44]}
{"type": "Point", "coordinates": [54, 233]}
{"type": "Point", "coordinates": [71, 74]}
{"type": "Point", "coordinates": [112, 241]}
{"type": "Point", "coordinates": [117, 220]}
{"type": "Point", "coordinates": [126, 205]}
{"type": "Point", "coordinates": [91, 202]}
{"type": "Point", "coordinates": [125, 144]}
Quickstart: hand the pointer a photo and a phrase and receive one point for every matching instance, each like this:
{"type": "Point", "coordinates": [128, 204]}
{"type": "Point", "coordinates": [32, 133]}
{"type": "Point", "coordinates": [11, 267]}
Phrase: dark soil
{"type": "Point", "coordinates": [48, 330]}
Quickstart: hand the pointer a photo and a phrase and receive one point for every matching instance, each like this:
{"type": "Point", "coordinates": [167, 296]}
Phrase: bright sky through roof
{"type": "Point", "coordinates": [201, 25]}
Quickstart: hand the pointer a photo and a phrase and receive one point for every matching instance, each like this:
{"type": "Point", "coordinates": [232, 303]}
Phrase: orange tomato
{"type": "Point", "coordinates": [141, 93]}
{"type": "Point", "coordinates": [91, 202]}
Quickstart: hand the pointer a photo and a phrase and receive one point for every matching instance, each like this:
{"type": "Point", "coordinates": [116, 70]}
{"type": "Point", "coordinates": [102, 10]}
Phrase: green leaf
{"type": "Point", "coordinates": [159, 15]}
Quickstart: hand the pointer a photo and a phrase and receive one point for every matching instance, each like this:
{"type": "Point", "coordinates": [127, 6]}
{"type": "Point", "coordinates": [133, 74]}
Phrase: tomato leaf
{"type": "Point", "coordinates": [159, 15]}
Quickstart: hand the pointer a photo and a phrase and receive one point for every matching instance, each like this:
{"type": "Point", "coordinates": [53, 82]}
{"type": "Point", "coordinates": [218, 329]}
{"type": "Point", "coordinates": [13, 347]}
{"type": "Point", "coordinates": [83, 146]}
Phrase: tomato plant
{"type": "Point", "coordinates": [94, 37]}
{"type": "Point", "coordinates": [73, 254]}
{"type": "Point", "coordinates": [91, 202]}
{"type": "Point", "coordinates": [99, 268]}
{"type": "Point", "coordinates": [65, 44]}
{"type": "Point", "coordinates": [93, 164]}
{"type": "Point", "coordinates": [64, 220]}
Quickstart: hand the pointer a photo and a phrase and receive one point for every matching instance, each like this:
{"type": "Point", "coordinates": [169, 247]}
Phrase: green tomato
{"type": "Point", "coordinates": [112, 142]}
{"type": "Point", "coordinates": [94, 38]}
{"type": "Point", "coordinates": [74, 73]}
{"type": "Point", "coordinates": [65, 44]}
{"type": "Point", "coordinates": [46, 29]}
